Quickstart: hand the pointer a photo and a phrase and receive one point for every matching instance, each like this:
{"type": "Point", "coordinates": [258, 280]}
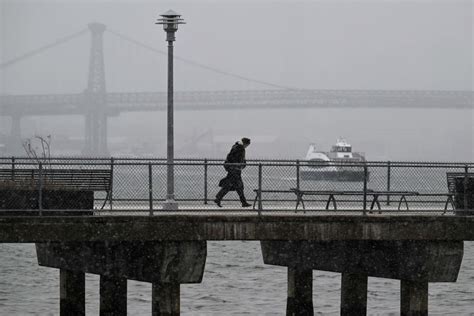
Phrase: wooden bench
{"type": "Point", "coordinates": [58, 179]}
{"type": "Point", "coordinates": [449, 199]}
{"type": "Point", "coordinates": [333, 193]}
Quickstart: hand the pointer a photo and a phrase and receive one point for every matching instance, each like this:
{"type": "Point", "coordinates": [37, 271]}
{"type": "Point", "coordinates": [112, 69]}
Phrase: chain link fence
{"type": "Point", "coordinates": [139, 186]}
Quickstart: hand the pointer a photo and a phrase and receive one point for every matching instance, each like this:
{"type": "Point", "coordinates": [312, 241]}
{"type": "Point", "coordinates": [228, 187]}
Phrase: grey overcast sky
{"type": "Point", "coordinates": [300, 44]}
{"type": "Point", "coordinates": [358, 44]}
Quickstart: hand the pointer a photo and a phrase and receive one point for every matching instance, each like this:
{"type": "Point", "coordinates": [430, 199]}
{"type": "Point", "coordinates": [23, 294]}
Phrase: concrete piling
{"type": "Point", "coordinates": [165, 299]}
{"type": "Point", "coordinates": [353, 294]}
{"type": "Point", "coordinates": [113, 296]}
{"type": "Point", "coordinates": [300, 292]}
{"type": "Point", "coordinates": [413, 298]}
{"type": "Point", "coordinates": [413, 262]}
{"type": "Point", "coordinates": [72, 293]}
{"type": "Point", "coordinates": [164, 264]}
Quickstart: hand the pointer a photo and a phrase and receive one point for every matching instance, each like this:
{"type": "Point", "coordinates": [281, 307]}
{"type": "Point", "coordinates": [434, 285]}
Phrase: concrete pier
{"type": "Point", "coordinates": [169, 250]}
{"type": "Point", "coordinates": [231, 226]}
{"type": "Point", "coordinates": [415, 263]}
{"type": "Point", "coordinates": [300, 292]}
{"type": "Point", "coordinates": [353, 294]}
{"type": "Point", "coordinates": [413, 298]}
{"type": "Point", "coordinates": [165, 299]}
{"type": "Point", "coordinates": [164, 264]}
{"type": "Point", "coordinates": [72, 292]}
{"type": "Point", "coordinates": [113, 296]}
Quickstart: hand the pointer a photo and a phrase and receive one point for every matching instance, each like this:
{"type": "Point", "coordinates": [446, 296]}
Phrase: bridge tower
{"type": "Point", "coordinates": [14, 142]}
{"type": "Point", "coordinates": [95, 96]}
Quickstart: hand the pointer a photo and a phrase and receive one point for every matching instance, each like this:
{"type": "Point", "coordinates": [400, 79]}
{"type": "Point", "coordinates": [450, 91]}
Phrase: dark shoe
{"type": "Point", "coordinates": [218, 202]}
{"type": "Point", "coordinates": [246, 204]}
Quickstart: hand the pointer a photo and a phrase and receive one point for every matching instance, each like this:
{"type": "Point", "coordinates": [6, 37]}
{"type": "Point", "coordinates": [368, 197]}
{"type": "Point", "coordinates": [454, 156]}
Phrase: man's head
{"type": "Point", "coordinates": [246, 141]}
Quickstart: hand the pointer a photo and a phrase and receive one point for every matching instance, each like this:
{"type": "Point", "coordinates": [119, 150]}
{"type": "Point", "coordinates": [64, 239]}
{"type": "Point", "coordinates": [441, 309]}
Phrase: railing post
{"type": "Point", "coordinates": [365, 189]}
{"type": "Point", "coordinates": [150, 187]}
{"type": "Point", "coordinates": [40, 188]}
{"type": "Point", "coordinates": [205, 180]}
{"type": "Point", "coordinates": [466, 173]}
{"type": "Point", "coordinates": [389, 171]}
{"type": "Point", "coordinates": [259, 188]}
{"type": "Point", "coordinates": [111, 182]}
{"type": "Point", "coordinates": [298, 174]}
{"type": "Point", "coordinates": [13, 168]}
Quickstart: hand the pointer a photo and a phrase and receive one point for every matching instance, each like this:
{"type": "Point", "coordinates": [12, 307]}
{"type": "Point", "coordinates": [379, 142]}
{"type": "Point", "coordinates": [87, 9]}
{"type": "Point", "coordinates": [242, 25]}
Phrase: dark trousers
{"type": "Point", "coordinates": [224, 190]}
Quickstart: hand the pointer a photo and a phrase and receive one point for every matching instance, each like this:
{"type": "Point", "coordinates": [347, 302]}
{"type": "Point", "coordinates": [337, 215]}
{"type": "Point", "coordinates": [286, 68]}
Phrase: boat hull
{"type": "Point", "coordinates": [333, 175]}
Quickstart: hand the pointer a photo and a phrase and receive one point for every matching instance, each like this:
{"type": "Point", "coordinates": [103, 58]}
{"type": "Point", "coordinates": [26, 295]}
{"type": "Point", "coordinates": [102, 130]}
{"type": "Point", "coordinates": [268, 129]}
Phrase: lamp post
{"type": "Point", "coordinates": [170, 21]}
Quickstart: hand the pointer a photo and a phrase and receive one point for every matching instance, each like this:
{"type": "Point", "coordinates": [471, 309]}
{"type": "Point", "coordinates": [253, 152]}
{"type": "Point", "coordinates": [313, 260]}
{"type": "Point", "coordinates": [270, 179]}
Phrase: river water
{"type": "Point", "coordinates": [236, 282]}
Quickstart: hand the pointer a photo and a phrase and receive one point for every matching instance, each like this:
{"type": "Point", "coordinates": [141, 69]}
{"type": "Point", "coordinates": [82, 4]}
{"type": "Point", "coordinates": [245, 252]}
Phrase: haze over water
{"type": "Point", "coordinates": [361, 45]}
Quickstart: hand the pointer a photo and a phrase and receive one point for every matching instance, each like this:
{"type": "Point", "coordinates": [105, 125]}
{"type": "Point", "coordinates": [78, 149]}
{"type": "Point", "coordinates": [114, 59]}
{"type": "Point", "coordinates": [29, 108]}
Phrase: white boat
{"type": "Point", "coordinates": [339, 164]}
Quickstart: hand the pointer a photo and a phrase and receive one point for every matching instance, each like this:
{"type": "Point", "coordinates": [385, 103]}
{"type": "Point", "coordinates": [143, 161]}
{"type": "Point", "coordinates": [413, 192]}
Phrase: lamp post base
{"type": "Point", "coordinates": [170, 205]}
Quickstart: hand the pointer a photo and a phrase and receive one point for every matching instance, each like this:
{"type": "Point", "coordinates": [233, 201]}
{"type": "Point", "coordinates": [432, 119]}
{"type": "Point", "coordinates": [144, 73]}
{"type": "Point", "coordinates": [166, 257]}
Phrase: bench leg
{"type": "Point", "coordinates": [255, 201]}
{"type": "Point", "coordinates": [331, 198]}
{"type": "Point", "coordinates": [406, 203]}
{"type": "Point", "coordinates": [452, 202]}
{"type": "Point", "coordinates": [403, 199]}
{"type": "Point", "coordinates": [448, 201]}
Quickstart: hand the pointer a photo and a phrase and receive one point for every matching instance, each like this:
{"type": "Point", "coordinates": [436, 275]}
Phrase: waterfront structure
{"type": "Point", "coordinates": [94, 232]}
{"type": "Point", "coordinates": [414, 249]}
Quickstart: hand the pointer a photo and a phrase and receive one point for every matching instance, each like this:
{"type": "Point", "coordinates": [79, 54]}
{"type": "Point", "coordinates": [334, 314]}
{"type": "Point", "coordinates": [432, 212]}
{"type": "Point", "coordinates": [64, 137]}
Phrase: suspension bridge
{"type": "Point", "coordinates": [97, 104]}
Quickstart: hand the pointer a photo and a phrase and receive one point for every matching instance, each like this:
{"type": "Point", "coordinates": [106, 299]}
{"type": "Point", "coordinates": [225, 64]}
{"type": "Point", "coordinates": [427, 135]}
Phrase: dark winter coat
{"type": "Point", "coordinates": [233, 180]}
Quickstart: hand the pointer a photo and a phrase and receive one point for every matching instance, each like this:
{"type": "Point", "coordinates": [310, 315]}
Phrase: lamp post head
{"type": "Point", "coordinates": [170, 21]}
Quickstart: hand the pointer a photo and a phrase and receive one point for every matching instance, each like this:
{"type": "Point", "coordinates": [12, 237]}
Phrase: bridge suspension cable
{"type": "Point", "coordinates": [37, 51]}
{"type": "Point", "coordinates": [196, 64]}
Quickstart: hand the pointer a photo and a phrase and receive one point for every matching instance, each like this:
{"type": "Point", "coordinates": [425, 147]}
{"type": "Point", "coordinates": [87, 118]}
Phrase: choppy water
{"type": "Point", "coordinates": [236, 282]}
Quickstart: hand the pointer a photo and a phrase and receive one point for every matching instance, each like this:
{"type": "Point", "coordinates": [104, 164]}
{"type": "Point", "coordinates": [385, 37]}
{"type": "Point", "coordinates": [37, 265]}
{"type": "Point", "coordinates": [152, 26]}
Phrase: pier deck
{"type": "Point", "coordinates": [233, 225]}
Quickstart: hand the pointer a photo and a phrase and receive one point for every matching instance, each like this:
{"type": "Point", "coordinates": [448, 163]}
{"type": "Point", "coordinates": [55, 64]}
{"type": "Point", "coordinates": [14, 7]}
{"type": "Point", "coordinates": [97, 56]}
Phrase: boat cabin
{"type": "Point", "coordinates": [342, 149]}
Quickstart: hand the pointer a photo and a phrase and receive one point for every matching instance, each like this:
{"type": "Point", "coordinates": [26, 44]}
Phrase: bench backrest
{"type": "Point", "coordinates": [451, 176]}
{"type": "Point", "coordinates": [59, 179]}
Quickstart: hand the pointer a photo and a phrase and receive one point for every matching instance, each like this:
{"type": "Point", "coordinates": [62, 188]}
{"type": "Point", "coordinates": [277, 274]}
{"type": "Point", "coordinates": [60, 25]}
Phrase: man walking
{"type": "Point", "coordinates": [234, 164]}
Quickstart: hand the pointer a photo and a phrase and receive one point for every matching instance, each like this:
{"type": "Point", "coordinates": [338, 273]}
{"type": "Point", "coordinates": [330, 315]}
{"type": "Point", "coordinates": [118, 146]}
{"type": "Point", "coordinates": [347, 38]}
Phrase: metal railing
{"type": "Point", "coordinates": [139, 185]}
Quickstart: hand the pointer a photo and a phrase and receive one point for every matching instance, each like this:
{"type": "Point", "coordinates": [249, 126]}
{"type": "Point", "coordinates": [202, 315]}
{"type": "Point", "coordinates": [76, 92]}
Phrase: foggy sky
{"type": "Point", "coordinates": [415, 45]}
{"type": "Point", "coordinates": [302, 44]}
